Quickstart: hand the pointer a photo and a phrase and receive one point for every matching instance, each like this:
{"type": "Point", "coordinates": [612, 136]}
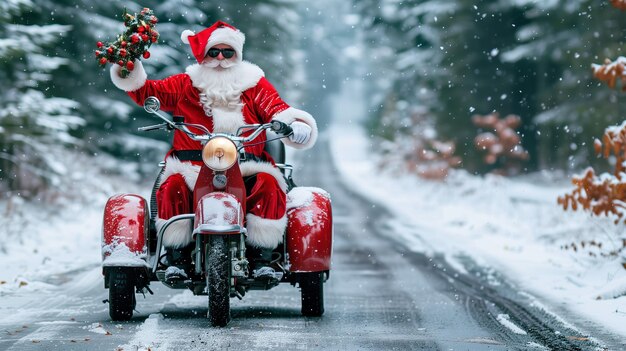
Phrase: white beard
{"type": "Point", "coordinates": [226, 81]}
{"type": "Point", "coordinates": [220, 90]}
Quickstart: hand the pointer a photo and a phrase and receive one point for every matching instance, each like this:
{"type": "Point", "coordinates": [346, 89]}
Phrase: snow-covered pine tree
{"type": "Point", "coordinates": [108, 114]}
{"type": "Point", "coordinates": [111, 117]}
{"type": "Point", "coordinates": [569, 101]}
{"type": "Point", "coordinates": [475, 77]}
{"type": "Point", "coordinates": [404, 73]}
{"type": "Point", "coordinates": [510, 56]}
{"type": "Point", "coordinates": [403, 56]}
{"type": "Point", "coordinates": [33, 122]}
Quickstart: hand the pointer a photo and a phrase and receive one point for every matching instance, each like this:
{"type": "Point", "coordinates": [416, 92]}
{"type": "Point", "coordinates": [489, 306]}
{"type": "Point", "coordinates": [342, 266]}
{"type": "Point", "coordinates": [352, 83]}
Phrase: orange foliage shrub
{"type": "Point", "coordinates": [418, 150]}
{"type": "Point", "coordinates": [503, 144]}
{"type": "Point", "coordinates": [432, 159]}
{"type": "Point", "coordinates": [611, 71]}
{"type": "Point", "coordinates": [605, 193]}
{"type": "Point", "coordinates": [620, 4]}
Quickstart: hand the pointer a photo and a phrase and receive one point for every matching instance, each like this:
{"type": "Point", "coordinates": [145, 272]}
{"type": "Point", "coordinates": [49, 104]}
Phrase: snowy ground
{"type": "Point", "coordinates": [42, 240]}
{"type": "Point", "coordinates": [512, 225]}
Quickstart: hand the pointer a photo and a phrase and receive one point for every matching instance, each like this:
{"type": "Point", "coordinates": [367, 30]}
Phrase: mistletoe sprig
{"type": "Point", "coordinates": [134, 43]}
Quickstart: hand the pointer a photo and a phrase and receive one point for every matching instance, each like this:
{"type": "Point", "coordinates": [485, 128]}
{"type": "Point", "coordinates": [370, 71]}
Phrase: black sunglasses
{"type": "Point", "coordinates": [227, 53]}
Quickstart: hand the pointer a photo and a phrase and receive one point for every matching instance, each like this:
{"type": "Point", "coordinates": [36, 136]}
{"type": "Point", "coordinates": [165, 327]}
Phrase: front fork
{"type": "Point", "coordinates": [239, 262]}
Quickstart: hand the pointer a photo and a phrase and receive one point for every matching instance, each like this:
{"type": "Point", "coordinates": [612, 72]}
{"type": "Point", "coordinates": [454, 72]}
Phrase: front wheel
{"type": "Point", "coordinates": [217, 268]}
{"type": "Point", "coordinates": [312, 289]}
{"type": "Point", "coordinates": [121, 294]}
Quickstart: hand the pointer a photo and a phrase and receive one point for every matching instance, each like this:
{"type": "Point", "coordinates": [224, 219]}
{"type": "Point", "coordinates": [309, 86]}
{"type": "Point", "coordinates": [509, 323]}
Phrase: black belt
{"type": "Point", "coordinates": [196, 155]}
{"type": "Point", "coordinates": [188, 155]}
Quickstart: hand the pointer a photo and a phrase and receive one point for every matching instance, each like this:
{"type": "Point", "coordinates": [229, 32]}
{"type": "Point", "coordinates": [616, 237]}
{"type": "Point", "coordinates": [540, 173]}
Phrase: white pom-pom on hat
{"type": "Point", "coordinates": [184, 36]}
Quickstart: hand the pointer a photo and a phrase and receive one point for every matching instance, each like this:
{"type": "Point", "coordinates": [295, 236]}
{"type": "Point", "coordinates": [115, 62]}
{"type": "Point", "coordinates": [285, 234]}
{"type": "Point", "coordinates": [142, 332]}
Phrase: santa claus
{"type": "Point", "coordinates": [221, 92]}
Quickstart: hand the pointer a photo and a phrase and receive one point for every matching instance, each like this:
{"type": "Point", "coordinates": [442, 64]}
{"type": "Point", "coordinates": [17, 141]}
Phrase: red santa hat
{"type": "Point", "coordinates": [219, 33]}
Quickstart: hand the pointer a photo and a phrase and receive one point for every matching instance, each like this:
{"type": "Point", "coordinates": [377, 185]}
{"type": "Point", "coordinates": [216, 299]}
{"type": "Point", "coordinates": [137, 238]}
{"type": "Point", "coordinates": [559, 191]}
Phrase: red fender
{"type": "Point", "coordinates": [309, 230]}
{"type": "Point", "coordinates": [125, 231]}
{"type": "Point", "coordinates": [218, 213]}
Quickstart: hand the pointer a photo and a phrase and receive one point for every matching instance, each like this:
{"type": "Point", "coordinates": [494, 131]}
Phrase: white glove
{"type": "Point", "coordinates": [301, 132]}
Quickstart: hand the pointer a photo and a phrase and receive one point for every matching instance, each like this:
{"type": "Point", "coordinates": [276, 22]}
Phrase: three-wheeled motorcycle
{"type": "Point", "coordinates": [132, 252]}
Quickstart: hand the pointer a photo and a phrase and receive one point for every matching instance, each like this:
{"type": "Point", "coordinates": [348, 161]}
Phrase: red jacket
{"type": "Point", "coordinates": [222, 101]}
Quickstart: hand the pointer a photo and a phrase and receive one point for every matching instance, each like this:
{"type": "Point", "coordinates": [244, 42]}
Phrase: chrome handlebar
{"type": "Point", "coordinates": [152, 105]}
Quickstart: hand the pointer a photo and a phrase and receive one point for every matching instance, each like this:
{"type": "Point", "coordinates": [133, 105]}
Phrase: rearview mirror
{"type": "Point", "coordinates": [151, 104]}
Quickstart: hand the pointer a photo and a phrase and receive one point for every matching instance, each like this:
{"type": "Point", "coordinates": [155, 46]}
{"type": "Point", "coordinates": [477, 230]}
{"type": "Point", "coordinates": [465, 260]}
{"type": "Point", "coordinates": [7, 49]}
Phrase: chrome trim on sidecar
{"type": "Point", "coordinates": [169, 222]}
{"type": "Point", "coordinates": [217, 229]}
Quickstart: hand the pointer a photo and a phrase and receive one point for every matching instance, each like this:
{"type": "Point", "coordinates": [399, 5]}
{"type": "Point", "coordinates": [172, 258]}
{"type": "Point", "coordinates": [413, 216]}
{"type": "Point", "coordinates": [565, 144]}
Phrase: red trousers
{"type": "Point", "coordinates": [266, 205]}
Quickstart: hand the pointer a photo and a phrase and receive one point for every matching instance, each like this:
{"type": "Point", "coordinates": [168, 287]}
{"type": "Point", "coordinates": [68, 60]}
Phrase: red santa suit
{"type": "Point", "coordinates": [221, 100]}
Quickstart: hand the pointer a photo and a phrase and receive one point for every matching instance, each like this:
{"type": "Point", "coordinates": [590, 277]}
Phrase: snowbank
{"type": "Point", "coordinates": [512, 225]}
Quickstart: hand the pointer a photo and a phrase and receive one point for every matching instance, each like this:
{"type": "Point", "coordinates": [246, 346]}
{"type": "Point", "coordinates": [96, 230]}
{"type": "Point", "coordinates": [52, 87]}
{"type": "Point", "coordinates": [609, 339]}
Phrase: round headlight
{"type": "Point", "coordinates": [219, 154]}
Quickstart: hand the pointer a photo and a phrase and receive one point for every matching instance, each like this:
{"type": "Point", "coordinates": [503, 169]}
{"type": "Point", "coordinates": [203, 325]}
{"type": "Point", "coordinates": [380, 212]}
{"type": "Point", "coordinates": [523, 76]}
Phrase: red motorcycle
{"type": "Point", "coordinates": [132, 255]}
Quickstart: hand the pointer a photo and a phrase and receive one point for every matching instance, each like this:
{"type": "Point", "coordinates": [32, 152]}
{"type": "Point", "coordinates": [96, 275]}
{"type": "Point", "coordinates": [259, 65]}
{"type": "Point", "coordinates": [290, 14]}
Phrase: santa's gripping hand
{"type": "Point", "coordinates": [301, 132]}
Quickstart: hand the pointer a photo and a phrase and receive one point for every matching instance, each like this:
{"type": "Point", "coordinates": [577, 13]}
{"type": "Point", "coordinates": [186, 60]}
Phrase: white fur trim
{"type": "Point", "coordinates": [189, 171]}
{"type": "Point", "coordinates": [135, 80]}
{"type": "Point", "coordinates": [251, 167]}
{"type": "Point", "coordinates": [293, 114]}
{"type": "Point", "coordinates": [225, 35]}
{"type": "Point", "coordinates": [184, 36]}
{"type": "Point", "coordinates": [265, 233]}
{"type": "Point", "coordinates": [177, 235]}
{"type": "Point", "coordinates": [235, 79]}
{"type": "Point", "coordinates": [227, 120]}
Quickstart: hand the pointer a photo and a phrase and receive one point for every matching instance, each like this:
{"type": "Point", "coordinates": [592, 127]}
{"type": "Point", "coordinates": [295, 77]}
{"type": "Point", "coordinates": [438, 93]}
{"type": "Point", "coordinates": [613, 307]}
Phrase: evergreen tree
{"type": "Point", "coordinates": [48, 55]}
{"type": "Point", "coordinates": [405, 64]}
{"type": "Point", "coordinates": [572, 107]}
{"type": "Point", "coordinates": [269, 26]}
{"type": "Point", "coordinates": [529, 58]}
{"type": "Point", "coordinates": [476, 80]}
{"type": "Point", "coordinates": [33, 121]}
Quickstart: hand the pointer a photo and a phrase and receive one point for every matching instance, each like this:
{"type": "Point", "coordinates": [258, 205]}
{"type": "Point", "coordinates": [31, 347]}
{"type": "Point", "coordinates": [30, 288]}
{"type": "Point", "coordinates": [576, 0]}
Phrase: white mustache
{"type": "Point", "coordinates": [222, 63]}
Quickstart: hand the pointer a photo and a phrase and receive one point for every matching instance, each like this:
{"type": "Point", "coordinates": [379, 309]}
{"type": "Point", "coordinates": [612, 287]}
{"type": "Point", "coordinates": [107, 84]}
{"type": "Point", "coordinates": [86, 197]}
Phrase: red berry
{"type": "Point", "coordinates": [103, 61]}
{"type": "Point", "coordinates": [130, 65]}
{"type": "Point", "coordinates": [98, 53]}
{"type": "Point", "coordinates": [144, 37]}
{"type": "Point", "coordinates": [146, 55]}
{"type": "Point", "coordinates": [110, 50]}
{"type": "Point", "coordinates": [123, 44]}
{"type": "Point", "coordinates": [154, 20]}
{"type": "Point", "coordinates": [134, 39]}
{"type": "Point", "coordinates": [99, 44]}
{"type": "Point", "coordinates": [123, 52]}
{"type": "Point", "coordinates": [120, 62]}
{"type": "Point", "coordinates": [141, 29]}
{"type": "Point", "coordinates": [154, 38]}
